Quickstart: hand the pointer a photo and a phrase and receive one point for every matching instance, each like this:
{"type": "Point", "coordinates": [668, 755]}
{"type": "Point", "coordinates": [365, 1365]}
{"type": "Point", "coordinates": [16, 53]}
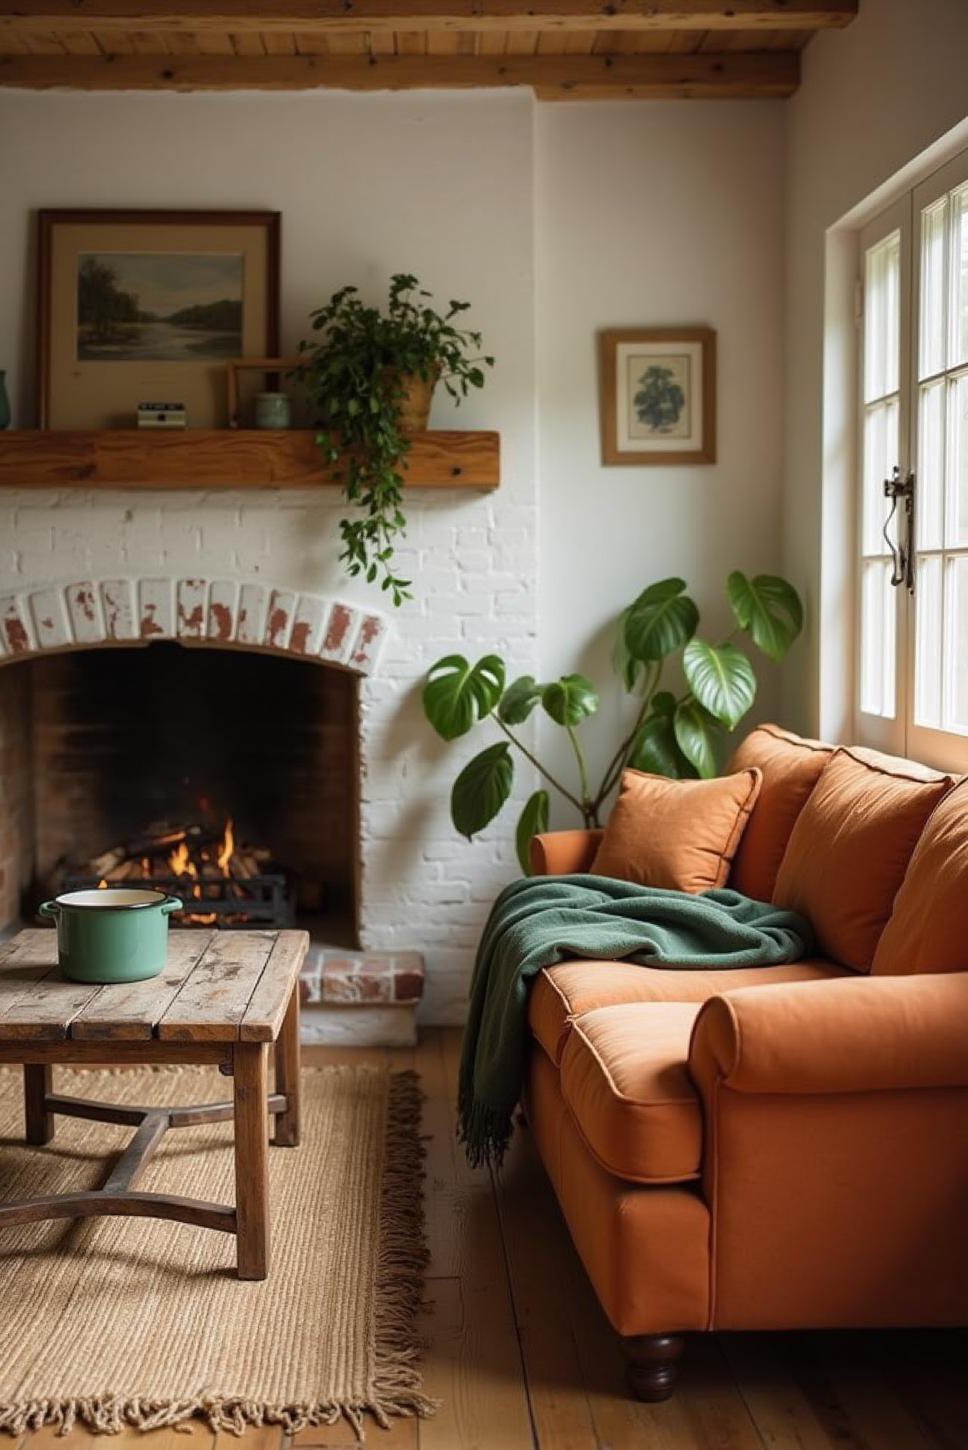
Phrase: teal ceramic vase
{"type": "Point", "coordinates": [4, 401]}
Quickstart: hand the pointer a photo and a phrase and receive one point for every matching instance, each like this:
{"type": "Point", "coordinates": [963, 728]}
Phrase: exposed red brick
{"type": "Point", "coordinates": [16, 636]}
{"type": "Point", "coordinates": [369, 630]}
{"type": "Point", "coordinates": [223, 620]}
{"type": "Point", "coordinates": [339, 623]}
{"type": "Point", "coordinates": [84, 600]}
{"type": "Point", "coordinates": [278, 620]}
{"type": "Point", "coordinates": [191, 621]}
{"type": "Point", "coordinates": [407, 986]}
{"type": "Point", "coordinates": [300, 637]}
{"type": "Point", "coordinates": [149, 625]}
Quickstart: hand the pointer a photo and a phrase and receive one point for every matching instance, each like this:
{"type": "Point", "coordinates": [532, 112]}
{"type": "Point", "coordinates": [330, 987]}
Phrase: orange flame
{"type": "Point", "coordinates": [227, 849]}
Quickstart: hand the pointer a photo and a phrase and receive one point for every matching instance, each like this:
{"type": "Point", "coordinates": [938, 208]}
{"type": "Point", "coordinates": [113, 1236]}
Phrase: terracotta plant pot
{"type": "Point", "coordinates": [417, 398]}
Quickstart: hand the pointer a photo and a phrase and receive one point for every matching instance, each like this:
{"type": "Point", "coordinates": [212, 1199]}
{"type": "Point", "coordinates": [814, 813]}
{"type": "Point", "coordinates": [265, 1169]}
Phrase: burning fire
{"type": "Point", "coordinates": [191, 873]}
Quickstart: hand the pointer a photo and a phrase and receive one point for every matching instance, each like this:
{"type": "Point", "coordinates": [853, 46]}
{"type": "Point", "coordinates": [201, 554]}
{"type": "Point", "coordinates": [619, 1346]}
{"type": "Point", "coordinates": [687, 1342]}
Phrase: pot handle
{"type": "Point", "coordinates": [49, 908]}
{"type": "Point", "coordinates": [170, 904]}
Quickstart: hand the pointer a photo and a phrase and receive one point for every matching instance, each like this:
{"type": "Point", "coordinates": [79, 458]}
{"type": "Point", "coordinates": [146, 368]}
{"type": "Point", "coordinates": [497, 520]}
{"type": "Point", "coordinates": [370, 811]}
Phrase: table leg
{"type": "Point", "coordinates": [39, 1123]}
{"type": "Point", "coordinates": [250, 1076]}
{"type": "Point", "coordinates": [286, 1131]}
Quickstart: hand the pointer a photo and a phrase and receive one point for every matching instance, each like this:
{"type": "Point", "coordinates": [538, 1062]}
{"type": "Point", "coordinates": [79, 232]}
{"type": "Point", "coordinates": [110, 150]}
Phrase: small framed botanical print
{"type": "Point", "coordinates": [658, 395]}
{"type": "Point", "coordinates": [150, 304]}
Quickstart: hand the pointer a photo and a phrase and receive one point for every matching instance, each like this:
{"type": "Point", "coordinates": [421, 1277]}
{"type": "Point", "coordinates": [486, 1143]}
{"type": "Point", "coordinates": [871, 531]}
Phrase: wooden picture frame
{"type": "Point", "coordinates": [658, 396]}
{"type": "Point", "coordinates": [137, 306]}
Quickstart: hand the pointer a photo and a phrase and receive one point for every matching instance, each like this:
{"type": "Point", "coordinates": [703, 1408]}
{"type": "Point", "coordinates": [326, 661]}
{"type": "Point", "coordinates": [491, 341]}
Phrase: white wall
{"type": "Point", "coordinates": [873, 98]}
{"type": "Point", "coordinates": [654, 213]}
{"type": "Point", "coordinates": [436, 184]}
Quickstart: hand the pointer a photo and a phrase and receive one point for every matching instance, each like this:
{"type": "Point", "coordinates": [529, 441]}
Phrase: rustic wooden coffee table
{"type": "Point", "coordinates": [224, 998]}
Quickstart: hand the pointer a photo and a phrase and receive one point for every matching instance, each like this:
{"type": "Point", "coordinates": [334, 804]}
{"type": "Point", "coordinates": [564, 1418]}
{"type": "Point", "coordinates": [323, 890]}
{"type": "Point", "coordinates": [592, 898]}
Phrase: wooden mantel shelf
{"type": "Point", "coordinates": [224, 458]}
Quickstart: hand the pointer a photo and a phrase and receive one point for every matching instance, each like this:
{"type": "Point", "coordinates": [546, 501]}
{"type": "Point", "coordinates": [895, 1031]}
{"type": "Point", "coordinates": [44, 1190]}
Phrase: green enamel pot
{"type": "Point", "coordinates": [116, 934]}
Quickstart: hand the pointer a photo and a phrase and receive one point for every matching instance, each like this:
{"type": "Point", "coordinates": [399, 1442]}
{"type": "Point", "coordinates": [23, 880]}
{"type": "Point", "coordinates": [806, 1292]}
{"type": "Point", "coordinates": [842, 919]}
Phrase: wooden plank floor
{"type": "Point", "coordinates": [523, 1359]}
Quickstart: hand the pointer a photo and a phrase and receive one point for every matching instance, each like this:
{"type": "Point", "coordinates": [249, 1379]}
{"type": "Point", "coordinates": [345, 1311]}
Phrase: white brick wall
{"type": "Point", "coordinates": [473, 561]}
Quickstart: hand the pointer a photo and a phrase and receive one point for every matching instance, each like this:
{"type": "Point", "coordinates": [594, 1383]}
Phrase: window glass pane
{"type": "Point", "coordinates": [881, 317]}
{"type": "Point", "coordinates": [932, 300]}
{"type": "Point", "coordinates": [958, 352]}
{"type": "Point", "coordinates": [930, 477]}
{"type": "Point", "coordinates": [958, 458]}
{"type": "Point", "coordinates": [956, 646]}
{"type": "Point", "coordinates": [880, 456]}
{"type": "Point", "coordinates": [877, 640]}
{"type": "Point", "coordinates": [927, 662]}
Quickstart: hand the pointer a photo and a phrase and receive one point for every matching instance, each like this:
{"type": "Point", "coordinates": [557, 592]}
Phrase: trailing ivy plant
{"type": "Point", "coordinates": [671, 734]}
{"type": "Point", "coordinates": [357, 375]}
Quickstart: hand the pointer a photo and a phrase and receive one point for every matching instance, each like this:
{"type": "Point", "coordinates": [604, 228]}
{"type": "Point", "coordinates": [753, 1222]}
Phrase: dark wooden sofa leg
{"type": "Point", "coordinates": [653, 1364]}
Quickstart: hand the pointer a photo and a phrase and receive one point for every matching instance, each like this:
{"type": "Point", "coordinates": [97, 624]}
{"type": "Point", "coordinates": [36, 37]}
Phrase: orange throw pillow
{"type": "Point", "coordinates": [677, 834]}
{"type": "Point", "coordinates": [851, 846]}
{"type": "Point", "coordinates": [926, 932]}
{"type": "Point", "coordinates": [791, 767]}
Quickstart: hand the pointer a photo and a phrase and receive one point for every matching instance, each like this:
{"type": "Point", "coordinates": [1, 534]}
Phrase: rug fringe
{"type": "Point", "coordinates": [109, 1415]}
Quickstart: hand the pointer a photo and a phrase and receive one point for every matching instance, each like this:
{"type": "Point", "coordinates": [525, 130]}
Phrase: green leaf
{"type": "Point", "coordinates": [531, 822]}
{"type": "Point", "coordinates": [457, 694]}
{"type": "Point", "coordinates": [519, 699]}
{"type": "Point", "coordinates": [721, 678]}
{"type": "Point", "coordinates": [696, 733]}
{"type": "Point", "coordinates": [570, 700]}
{"type": "Point", "coordinates": [656, 749]}
{"type": "Point", "coordinates": [481, 789]}
{"type": "Point", "coordinates": [661, 620]}
{"type": "Point", "coordinates": [768, 608]}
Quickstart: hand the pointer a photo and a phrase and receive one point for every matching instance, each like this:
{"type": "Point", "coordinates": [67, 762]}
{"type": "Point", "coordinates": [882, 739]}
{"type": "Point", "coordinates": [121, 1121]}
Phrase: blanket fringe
{"type": "Point", "coordinates": [399, 1281]}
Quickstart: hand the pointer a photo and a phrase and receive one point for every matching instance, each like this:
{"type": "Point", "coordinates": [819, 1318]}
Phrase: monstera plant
{"type": "Point", "coordinates": [673, 734]}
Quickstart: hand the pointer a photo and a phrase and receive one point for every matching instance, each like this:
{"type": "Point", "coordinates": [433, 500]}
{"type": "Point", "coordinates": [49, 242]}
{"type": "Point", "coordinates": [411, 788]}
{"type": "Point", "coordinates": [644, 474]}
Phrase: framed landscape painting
{"type": "Point", "coordinates": [658, 395]}
{"type": "Point", "coordinates": [138, 306]}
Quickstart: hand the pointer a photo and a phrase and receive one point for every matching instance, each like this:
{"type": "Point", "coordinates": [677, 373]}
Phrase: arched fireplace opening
{"type": "Point", "coordinates": [228, 775]}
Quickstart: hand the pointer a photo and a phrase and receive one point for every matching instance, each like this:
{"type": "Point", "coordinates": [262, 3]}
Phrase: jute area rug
{"type": "Point", "coordinates": [112, 1323]}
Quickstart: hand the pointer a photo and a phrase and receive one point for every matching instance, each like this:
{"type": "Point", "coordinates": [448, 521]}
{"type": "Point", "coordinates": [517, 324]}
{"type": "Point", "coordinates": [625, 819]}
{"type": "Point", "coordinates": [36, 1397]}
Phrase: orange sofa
{"type": "Point", "coordinates": [780, 1147]}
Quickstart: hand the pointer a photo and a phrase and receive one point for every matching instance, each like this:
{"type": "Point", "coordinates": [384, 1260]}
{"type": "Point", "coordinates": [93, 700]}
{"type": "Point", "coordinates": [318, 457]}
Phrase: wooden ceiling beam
{"type": "Point", "coordinates": [566, 77]}
{"type": "Point", "coordinates": [28, 17]}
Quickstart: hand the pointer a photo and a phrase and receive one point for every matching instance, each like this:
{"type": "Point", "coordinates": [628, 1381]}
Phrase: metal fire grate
{"type": "Point", "coordinates": [259, 901]}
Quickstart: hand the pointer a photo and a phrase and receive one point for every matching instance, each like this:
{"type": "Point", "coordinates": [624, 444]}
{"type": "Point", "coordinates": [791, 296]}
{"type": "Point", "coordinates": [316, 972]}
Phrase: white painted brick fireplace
{"type": "Point", "coordinates": [258, 570]}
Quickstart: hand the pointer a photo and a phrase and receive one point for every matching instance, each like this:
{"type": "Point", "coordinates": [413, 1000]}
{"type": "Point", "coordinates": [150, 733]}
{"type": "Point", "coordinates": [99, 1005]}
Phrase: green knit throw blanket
{"type": "Point", "coordinates": [539, 921]}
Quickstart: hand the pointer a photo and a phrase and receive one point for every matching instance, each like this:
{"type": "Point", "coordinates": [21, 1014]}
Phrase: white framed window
{"type": "Point", "coordinates": [911, 689]}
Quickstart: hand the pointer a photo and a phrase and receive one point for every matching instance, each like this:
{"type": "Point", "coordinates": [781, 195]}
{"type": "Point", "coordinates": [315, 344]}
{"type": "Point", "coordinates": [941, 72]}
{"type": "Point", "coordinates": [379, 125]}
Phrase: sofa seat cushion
{"type": "Point", "coordinates": [791, 766]}
{"type": "Point", "coordinates": [851, 846]}
{"type": "Point", "coordinates": [566, 991]}
{"type": "Point", "coordinates": [625, 1079]}
{"type": "Point", "coordinates": [926, 931]}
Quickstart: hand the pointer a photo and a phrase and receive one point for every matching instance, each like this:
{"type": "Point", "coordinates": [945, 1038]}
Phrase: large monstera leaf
{"type": "Point", "coordinates": [570, 700]}
{"type": "Point", "coordinates": [721, 678]}
{"type": "Point", "coordinates": [481, 789]}
{"type": "Point", "coordinates": [519, 699]}
{"type": "Point", "coordinates": [768, 608]}
{"type": "Point", "coordinates": [696, 734]}
{"type": "Point", "coordinates": [457, 695]}
{"type": "Point", "coordinates": [531, 822]}
{"type": "Point", "coordinates": [655, 748]}
{"type": "Point", "coordinates": [661, 620]}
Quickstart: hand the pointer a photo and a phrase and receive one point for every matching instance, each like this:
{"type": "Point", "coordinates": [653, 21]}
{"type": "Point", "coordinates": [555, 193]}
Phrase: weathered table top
{"type": "Point", "coordinates": [218, 986]}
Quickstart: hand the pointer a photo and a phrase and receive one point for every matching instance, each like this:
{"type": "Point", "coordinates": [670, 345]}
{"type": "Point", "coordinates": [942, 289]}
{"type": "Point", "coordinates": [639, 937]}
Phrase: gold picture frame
{"type": "Point", "coordinates": [148, 305]}
{"type": "Point", "coordinates": [658, 396]}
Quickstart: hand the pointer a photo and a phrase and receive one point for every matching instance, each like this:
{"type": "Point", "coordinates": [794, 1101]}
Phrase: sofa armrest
{"type": "Point", "coordinates": [564, 853]}
{"type": "Point", "coordinates": [864, 1034]}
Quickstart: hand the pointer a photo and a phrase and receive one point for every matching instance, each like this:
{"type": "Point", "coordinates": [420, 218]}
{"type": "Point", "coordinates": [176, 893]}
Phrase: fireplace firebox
{"type": "Point", "coordinates": [227, 777]}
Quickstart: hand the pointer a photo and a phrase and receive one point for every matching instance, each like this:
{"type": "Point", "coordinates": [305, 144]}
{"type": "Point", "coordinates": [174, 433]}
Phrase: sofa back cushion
{"type": "Point", "coordinates": [677, 834]}
{"type": "Point", "coordinates": [851, 846]}
{"type": "Point", "coordinates": [927, 929]}
{"type": "Point", "coordinates": [791, 767]}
